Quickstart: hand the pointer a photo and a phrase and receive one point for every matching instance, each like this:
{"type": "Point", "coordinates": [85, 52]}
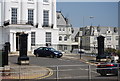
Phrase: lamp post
{"type": "Point", "coordinates": [91, 17]}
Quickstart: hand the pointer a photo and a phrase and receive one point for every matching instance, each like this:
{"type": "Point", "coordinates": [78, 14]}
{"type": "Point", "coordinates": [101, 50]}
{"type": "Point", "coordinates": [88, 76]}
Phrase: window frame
{"type": "Point", "coordinates": [60, 38]}
{"type": "Point", "coordinates": [65, 38]}
{"type": "Point", "coordinates": [30, 16]}
{"type": "Point", "coordinates": [48, 37]}
{"type": "Point", "coordinates": [14, 15]}
{"type": "Point", "coordinates": [45, 18]}
{"type": "Point", "coordinates": [33, 38]}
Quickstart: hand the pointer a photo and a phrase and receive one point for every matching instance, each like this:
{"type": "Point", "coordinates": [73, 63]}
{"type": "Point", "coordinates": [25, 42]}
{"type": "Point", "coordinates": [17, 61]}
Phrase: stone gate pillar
{"type": "Point", "coordinates": [23, 58]}
{"type": "Point", "coordinates": [100, 41]}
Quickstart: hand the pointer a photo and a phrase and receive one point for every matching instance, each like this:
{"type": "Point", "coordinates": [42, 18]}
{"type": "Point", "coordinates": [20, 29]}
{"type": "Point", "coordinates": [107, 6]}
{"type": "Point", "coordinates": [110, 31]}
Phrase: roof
{"type": "Point", "coordinates": [76, 30]}
{"type": "Point", "coordinates": [61, 20]}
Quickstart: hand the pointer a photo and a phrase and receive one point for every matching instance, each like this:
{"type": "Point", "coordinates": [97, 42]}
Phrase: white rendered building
{"type": "Point", "coordinates": [89, 38]}
{"type": "Point", "coordinates": [37, 18]}
{"type": "Point", "coordinates": [65, 32]}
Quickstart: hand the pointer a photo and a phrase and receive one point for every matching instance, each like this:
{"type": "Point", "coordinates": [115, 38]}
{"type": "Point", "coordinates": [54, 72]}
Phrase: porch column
{"type": "Point", "coordinates": [13, 41]}
{"type": "Point", "coordinates": [29, 41]}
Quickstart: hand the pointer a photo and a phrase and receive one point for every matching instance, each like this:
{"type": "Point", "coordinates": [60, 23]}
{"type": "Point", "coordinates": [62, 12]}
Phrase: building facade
{"type": "Point", "coordinates": [65, 32]}
{"type": "Point", "coordinates": [89, 37]}
{"type": "Point", "coordinates": [37, 18]}
{"type": "Point", "coordinates": [119, 22]}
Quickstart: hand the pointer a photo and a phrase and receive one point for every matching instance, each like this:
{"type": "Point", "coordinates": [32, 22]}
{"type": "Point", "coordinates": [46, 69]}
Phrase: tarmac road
{"type": "Point", "coordinates": [69, 66]}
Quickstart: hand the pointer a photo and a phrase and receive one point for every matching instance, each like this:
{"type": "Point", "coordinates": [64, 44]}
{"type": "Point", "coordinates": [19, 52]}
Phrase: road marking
{"type": "Point", "coordinates": [49, 74]}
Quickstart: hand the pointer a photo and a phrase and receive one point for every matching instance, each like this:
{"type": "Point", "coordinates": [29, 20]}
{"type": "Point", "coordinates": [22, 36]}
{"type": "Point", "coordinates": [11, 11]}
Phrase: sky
{"type": "Point", "coordinates": [81, 13]}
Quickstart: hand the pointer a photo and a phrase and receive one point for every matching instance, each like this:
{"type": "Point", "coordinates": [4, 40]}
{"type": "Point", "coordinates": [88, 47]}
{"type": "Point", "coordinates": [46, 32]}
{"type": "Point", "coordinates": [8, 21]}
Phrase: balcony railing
{"type": "Point", "coordinates": [22, 22]}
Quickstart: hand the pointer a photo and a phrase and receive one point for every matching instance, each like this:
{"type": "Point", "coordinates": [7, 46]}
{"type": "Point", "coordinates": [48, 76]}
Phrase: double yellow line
{"type": "Point", "coordinates": [34, 76]}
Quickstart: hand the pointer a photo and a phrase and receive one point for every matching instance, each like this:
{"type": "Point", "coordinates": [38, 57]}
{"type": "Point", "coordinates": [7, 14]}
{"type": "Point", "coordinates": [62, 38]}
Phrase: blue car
{"type": "Point", "coordinates": [47, 51]}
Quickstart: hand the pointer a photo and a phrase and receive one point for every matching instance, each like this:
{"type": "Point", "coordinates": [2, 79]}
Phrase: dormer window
{"type": "Point", "coordinates": [108, 31]}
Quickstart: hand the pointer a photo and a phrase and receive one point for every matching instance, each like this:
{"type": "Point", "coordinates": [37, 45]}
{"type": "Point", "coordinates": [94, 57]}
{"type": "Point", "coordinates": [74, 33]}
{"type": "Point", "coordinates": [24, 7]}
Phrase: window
{"type": "Point", "coordinates": [117, 37]}
{"type": "Point", "coordinates": [58, 16]}
{"type": "Point", "coordinates": [14, 16]}
{"type": "Point", "coordinates": [117, 46]}
{"type": "Point", "coordinates": [60, 38]}
{"type": "Point", "coordinates": [95, 37]}
{"type": "Point", "coordinates": [45, 18]}
{"type": "Point", "coordinates": [65, 38]}
{"type": "Point", "coordinates": [48, 37]}
{"type": "Point", "coordinates": [30, 16]}
{"type": "Point", "coordinates": [65, 47]}
{"type": "Point", "coordinates": [30, 0]}
{"type": "Point", "coordinates": [109, 46]}
{"type": "Point", "coordinates": [45, 0]}
{"type": "Point", "coordinates": [108, 31]}
{"type": "Point", "coordinates": [108, 37]}
{"type": "Point", "coordinates": [59, 29]}
{"type": "Point", "coordinates": [33, 38]}
{"type": "Point", "coordinates": [63, 29]}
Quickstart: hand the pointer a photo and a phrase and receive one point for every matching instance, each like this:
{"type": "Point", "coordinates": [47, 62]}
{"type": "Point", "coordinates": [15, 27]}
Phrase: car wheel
{"type": "Point", "coordinates": [37, 55]}
{"type": "Point", "coordinates": [103, 74]}
{"type": "Point", "coordinates": [51, 56]}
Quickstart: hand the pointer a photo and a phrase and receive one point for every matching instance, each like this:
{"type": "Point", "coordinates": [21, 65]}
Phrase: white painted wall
{"type": "Point", "coordinates": [8, 34]}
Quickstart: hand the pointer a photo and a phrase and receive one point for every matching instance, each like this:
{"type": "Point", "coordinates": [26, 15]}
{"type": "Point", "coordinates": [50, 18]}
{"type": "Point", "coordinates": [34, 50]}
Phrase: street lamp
{"type": "Point", "coordinates": [91, 17]}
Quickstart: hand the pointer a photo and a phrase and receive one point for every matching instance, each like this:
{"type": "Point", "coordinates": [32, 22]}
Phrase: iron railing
{"type": "Point", "coordinates": [59, 72]}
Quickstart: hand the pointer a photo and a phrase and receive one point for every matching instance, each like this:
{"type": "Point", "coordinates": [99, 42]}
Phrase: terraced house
{"type": "Point", "coordinates": [37, 18]}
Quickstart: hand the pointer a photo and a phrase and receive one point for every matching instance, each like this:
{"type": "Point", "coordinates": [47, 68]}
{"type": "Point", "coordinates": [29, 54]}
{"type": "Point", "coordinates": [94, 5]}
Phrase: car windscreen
{"type": "Point", "coordinates": [40, 48]}
{"type": "Point", "coordinates": [51, 49]}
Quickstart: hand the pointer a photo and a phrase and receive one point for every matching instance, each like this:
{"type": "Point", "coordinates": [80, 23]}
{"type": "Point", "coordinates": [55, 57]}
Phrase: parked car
{"type": "Point", "coordinates": [108, 68]}
{"type": "Point", "coordinates": [81, 52]}
{"type": "Point", "coordinates": [47, 51]}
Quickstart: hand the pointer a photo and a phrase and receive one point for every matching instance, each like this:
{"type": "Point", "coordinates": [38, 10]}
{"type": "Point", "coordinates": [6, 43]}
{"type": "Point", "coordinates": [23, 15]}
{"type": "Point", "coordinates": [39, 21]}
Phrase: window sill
{"type": "Point", "coordinates": [46, 3]}
{"type": "Point", "coordinates": [14, 1]}
{"type": "Point", "coordinates": [30, 2]}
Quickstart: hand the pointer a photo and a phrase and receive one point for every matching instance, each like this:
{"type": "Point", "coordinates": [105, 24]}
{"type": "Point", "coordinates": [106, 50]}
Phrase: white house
{"type": "Point", "coordinates": [65, 32]}
{"type": "Point", "coordinates": [37, 18]}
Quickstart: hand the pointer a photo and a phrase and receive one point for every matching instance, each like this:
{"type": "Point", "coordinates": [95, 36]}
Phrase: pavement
{"type": "Point", "coordinates": [27, 72]}
{"type": "Point", "coordinates": [39, 72]}
{"type": "Point", "coordinates": [89, 59]}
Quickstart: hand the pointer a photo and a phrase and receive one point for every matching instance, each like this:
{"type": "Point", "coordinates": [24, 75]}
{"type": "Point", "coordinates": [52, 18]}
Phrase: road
{"type": "Point", "coordinates": [66, 68]}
